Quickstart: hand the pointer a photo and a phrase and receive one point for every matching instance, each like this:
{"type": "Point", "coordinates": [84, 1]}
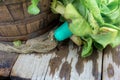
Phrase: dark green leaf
{"type": "Point", "coordinates": [87, 48]}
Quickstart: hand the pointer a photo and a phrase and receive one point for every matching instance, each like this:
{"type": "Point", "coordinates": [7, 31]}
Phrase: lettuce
{"type": "Point", "coordinates": [87, 48]}
{"type": "Point", "coordinates": [96, 22]}
{"type": "Point", "coordinates": [78, 23]}
{"type": "Point", "coordinates": [33, 8]}
{"type": "Point", "coordinates": [105, 36]}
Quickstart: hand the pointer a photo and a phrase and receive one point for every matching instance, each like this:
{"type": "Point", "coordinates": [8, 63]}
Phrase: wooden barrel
{"type": "Point", "coordinates": [17, 24]}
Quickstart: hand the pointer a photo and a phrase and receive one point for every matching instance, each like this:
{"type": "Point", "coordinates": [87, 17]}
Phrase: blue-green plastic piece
{"type": "Point", "coordinates": [62, 32]}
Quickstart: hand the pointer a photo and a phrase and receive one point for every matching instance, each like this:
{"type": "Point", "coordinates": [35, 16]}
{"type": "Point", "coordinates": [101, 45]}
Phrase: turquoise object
{"type": "Point", "coordinates": [62, 32]}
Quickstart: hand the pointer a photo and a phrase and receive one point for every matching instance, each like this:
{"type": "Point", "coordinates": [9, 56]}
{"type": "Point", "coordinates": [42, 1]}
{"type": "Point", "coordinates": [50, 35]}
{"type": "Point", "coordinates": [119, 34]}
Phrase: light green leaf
{"type": "Point", "coordinates": [33, 8]}
{"type": "Point", "coordinates": [57, 7]}
{"type": "Point", "coordinates": [78, 23]}
{"type": "Point", "coordinates": [116, 42]}
{"type": "Point", "coordinates": [94, 9]}
{"type": "Point", "coordinates": [105, 36]}
{"type": "Point", "coordinates": [17, 43]}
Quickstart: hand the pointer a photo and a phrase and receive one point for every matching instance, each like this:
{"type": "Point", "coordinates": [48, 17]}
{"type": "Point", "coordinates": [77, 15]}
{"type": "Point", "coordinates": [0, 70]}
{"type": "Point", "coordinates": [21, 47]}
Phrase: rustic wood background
{"type": "Point", "coordinates": [17, 24]}
{"type": "Point", "coordinates": [62, 63]}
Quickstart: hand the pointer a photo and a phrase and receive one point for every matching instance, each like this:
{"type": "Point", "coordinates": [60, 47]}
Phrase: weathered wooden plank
{"type": "Point", "coordinates": [73, 67]}
{"type": "Point", "coordinates": [111, 63]}
{"type": "Point", "coordinates": [61, 64]}
{"type": "Point", "coordinates": [4, 14]}
{"type": "Point", "coordinates": [6, 62]}
{"type": "Point", "coordinates": [29, 66]}
{"type": "Point", "coordinates": [16, 11]}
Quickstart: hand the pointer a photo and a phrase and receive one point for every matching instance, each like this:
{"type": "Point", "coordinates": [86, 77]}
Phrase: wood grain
{"type": "Point", "coordinates": [63, 63]}
{"type": "Point", "coordinates": [15, 21]}
{"type": "Point", "coordinates": [44, 5]}
{"type": "Point", "coordinates": [13, 1]}
{"type": "Point", "coordinates": [111, 63]}
{"type": "Point", "coordinates": [4, 14]}
{"type": "Point", "coordinates": [16, 11]}
{"type": "Point", "coordinates": [7, 60]}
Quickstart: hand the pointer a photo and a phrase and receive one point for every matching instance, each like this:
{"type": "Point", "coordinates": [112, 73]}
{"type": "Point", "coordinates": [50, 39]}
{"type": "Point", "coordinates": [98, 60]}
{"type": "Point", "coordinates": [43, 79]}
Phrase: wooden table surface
{"type": "Point", "coordinates": [63, 63]}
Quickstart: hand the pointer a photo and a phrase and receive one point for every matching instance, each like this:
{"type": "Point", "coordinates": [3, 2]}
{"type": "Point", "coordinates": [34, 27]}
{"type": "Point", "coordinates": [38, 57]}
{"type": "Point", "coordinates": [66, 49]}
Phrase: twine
{"type": "Point", "coordinates": [41, 44]}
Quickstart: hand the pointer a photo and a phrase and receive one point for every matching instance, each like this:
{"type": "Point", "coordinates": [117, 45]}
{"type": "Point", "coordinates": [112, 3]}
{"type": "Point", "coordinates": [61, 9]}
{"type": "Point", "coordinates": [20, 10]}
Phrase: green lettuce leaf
{"type": "Point", "coordinates": [116, 42]}
{"type": "Point", "coordinates": [110, 11]}
{"type": "Point", "coordinates": [94, 9]}
{"type": "Point", "coordinates": [105, 36]}
{"type": "Point", "coordinates": [78, 23]}
{"type": "Point", "coordinates": [96, 22]}
{"type": "Point", "coordinates": [87, 48]}
{"type": "Point", "coordinates": [33, 8]}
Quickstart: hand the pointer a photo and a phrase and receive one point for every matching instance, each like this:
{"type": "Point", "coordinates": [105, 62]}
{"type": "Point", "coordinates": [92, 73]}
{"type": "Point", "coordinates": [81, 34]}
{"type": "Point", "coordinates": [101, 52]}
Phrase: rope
{"type": "Point", "coordinates": [40, 44]}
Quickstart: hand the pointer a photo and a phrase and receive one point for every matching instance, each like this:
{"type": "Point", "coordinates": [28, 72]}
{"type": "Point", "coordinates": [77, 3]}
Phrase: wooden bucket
{"type": "Point", "coordinates": [17, 24]}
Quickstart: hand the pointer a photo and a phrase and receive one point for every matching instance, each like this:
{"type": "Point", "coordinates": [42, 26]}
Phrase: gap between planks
{"type": "Point", "coordinates": [111, 64]}
{"type": "Point", "coordinates": [52, 66]}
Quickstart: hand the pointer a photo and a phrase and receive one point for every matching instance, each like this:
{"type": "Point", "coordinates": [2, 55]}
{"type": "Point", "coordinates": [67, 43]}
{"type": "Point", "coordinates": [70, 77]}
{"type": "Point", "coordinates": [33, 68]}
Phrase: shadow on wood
{"type": "Point", "coordinates": [62, 64]}
{"type": "Point", "coordinates": [111, 63]}
{"type": "Point", "coordinates": [7, 61]}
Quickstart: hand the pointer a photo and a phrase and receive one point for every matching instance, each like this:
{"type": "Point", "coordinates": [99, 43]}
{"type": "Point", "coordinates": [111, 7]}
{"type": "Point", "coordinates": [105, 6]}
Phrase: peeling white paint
{"type": "Point", "coordinates": [36, 67]}
{"type": "Point", "coordinates": [109, 60]}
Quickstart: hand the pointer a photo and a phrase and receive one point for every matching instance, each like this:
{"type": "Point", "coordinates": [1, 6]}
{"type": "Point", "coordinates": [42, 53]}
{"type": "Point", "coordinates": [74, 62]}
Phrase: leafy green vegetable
{"type": "Point", "coordinates": [17, 43]}
{"type": "Point", "coordinates": [78, 23]}
{"type": "Point", "coordinates": [116, 42]}
{"type": "Point", "coordinates": [57, 7]}
{"type": "Point", "coordinates": [110, 10]}
{"type": "Point", "coordinates": [105, 36]}
{"type": "Point", "coordinates": [87, 48]}
{"type": "Point", "coordinates": [93, 23]}
{"type": "Point", "coordinates": [96, 22]}
{"type": "Point", "coordinates": [33, 8]}
{"type": "Point", "coordinates": [93, 8]}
